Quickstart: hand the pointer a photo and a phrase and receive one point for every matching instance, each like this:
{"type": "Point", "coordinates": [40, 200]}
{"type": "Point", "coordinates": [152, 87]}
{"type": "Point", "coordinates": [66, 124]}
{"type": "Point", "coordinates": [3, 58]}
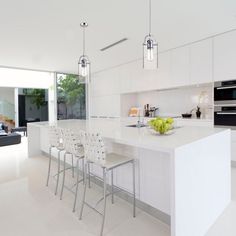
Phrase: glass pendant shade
{"type": "Point", "coordinates": [150, 53]}
{"type": "Point", "coordinates": [84, 69]}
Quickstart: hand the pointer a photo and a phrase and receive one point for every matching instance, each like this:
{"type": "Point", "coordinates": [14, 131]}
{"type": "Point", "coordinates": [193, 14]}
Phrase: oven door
{"type": "Point", "coordinates": [225, 93]}
{"type": "Point", "coordinates": [225, 116]}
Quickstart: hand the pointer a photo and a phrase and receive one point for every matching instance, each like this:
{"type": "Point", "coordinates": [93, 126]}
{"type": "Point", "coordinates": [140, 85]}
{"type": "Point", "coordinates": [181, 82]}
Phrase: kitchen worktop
{"type": "Point", "coordinates": [117, 131]}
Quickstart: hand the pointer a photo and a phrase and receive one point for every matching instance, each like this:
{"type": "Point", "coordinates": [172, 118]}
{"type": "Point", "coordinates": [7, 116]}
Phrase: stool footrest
{"type": "Point", "coordinates": [93, 208]}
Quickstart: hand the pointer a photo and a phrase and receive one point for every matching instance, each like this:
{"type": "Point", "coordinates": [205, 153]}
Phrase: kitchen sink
{"type": "Point", "coordinates": [137, 126]}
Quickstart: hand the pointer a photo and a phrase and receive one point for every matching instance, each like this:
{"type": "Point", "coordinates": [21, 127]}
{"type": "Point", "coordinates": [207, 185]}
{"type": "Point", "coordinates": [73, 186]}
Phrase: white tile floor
{"type": "Point", "coordinates": [28, 208]}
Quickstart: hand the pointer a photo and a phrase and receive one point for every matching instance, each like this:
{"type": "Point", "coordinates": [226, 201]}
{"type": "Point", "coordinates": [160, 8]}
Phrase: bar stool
{"type": "Point", "coordinates": [95, 153]}
{"type": "Point", "coordinates": [56, 142]}
{"type": "Point", "coordinates": [73, 147]}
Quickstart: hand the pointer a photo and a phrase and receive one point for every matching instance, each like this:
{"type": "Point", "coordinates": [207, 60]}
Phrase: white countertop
{"type": "Point", "coordinates": [116, 130]}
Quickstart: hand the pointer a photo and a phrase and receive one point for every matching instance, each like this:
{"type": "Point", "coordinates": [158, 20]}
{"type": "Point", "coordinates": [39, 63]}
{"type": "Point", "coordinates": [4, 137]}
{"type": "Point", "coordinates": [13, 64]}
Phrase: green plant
{"type": "Point", "coordinates": [37, 97]}
{"type": "Point", "coordinates": [69, 90]}
{"type": "Point", "coordinates": [161, 125]}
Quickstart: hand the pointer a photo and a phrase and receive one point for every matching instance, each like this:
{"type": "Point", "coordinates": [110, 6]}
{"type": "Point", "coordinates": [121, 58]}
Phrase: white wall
{"type": "Point", "coordinates": [7, 102]}
{"type": "Point", "coordinates": [15, 78]}
{"type": "Point", "coordinates": [7, 94]}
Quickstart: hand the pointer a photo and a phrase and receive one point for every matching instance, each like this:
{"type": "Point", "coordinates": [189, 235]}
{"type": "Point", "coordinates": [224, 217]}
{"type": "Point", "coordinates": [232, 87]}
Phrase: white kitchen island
{"type": "Point", "coordinates": [185, 175]}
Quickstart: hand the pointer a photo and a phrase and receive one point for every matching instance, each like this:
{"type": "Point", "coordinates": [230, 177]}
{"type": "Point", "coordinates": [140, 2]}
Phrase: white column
{"type": "Point", "coordinates": [52, 100]}
{"type": "Point", "coordinates": [16, 107]}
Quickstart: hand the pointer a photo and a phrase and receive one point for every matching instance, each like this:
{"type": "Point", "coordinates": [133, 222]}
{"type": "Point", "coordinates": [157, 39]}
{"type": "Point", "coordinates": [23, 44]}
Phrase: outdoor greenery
{"type": "Point", "coordinates": [70, 92]}
{"type": "Point", "coordinates": [37, 96]}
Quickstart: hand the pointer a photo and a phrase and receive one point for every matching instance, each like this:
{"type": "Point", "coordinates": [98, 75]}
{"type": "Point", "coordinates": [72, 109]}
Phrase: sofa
{"type": "Point", "coordinates": [10, 139]}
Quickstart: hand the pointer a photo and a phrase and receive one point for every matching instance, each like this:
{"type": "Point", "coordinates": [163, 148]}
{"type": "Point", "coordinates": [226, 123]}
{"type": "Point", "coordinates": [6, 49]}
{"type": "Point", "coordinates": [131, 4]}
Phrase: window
{"type": "Point", "coordinates": [71, 97]}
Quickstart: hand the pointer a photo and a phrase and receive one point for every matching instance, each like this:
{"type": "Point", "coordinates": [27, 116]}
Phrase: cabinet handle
{"type": "Point", "coordinates": [227, 87]}
{"type": "Point", "coordinates": [226, 113]}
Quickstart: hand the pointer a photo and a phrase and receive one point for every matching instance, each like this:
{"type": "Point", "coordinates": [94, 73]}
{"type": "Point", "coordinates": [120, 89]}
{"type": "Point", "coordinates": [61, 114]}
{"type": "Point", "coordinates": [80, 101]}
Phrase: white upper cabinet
{"type": "Point", "coordinates": [163, 79]}
{"type": "Point", "coordinates": [225, 57]}
{"type": "Point", "coordinates": [126, 80]}
{"type": "Point", "coordinates": [105, 106]}
{"type": "Point", "coordinates": [136, 79]}
{"type": "Point", "coordinates": [106, 83]}
{"type": "Point", "coordinates": [180, 67]}
{"type": "Point", "coordinates": [201, 62]}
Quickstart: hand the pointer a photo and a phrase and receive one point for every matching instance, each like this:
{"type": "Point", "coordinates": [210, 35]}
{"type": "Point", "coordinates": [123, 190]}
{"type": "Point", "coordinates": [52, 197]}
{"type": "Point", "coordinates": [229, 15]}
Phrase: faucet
{"type": "Point", "coordinates": [139, 122]}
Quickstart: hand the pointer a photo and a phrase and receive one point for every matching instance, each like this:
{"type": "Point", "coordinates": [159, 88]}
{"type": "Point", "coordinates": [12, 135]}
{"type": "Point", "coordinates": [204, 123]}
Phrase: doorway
{"type": "Point", "coordinates": [32, 105]}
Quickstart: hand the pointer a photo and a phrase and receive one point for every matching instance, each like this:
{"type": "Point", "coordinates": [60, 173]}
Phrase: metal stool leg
{"type": "Point", "coordinates": [72, 161]}
{"type": "Point", "coordinates": [84, 193]}
{"type": "Point", "coordinates": [58, 170]}
{"type": "Point", "coordinates": [89, 177]}
{"type": "Point", "coordinates": [112, 188]}
{"type": "Point", "coordinates": [64, 174]}
{"type": "Point", "coordinates": [49, 164]}
{"type": "Point", "coordinates": [134, 194]}
{"type": "Point", "coordinates": [77, 184]}
{"type": "Point", "coordinates": [83, 170]}
{"type": "Point", "coordinates": [104, 196]}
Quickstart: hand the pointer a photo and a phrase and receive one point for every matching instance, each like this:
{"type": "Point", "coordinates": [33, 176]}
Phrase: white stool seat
{"type": "Point", "coordinates": [113, 160]}
{"type": "Point", "coordinates": [60, 147]}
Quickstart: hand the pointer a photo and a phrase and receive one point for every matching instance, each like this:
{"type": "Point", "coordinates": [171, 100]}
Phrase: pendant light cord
{"type": "Point", "coordinates": [150, 16]}
{"type": "Point", "coordinates": [83, 41]}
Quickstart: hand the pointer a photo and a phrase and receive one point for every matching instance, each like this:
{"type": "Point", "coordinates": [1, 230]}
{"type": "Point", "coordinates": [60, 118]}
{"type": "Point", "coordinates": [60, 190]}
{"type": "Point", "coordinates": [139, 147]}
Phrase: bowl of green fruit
{"type": "Point", "coordinates": [162, 125]}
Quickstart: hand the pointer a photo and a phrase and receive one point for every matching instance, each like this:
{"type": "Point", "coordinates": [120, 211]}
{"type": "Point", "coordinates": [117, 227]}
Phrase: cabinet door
{"type": "Point", "coordinates": [225, 57]}
{"type": "Point", "coordinates": [233, 145]}
{"type": "Point", "coordinates": [180, 64]}
{"type": "Point", "coordinates": [201, 62]}
{"type": "Point", "coordinates": [105, 106]}
{"type": "Point", "coordinates": [163, 71]}
{"type": "Point", "coordinates": [155, 179]}
{"type": "Point", "coordinates": [125, 79]}
{"type": "Point", "coordinates": [106, 83]}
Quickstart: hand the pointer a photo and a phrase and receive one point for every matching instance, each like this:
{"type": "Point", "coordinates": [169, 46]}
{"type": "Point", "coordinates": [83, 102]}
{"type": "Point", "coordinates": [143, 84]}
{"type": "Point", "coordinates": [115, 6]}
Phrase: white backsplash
{"type": "Point", "coordinates": [176, 101]}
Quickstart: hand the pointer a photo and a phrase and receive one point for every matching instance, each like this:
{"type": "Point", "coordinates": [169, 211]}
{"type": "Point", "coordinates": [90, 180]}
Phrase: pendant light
{"type": "Point", "coordinates": [84, 63]}
{"type": "Point", "coordinates": [150, 47]}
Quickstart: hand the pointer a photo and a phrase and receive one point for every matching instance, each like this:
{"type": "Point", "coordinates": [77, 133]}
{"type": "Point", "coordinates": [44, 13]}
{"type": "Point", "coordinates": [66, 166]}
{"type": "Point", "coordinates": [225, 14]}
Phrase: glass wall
{"type": "Point", "coordinates": [71, 97]}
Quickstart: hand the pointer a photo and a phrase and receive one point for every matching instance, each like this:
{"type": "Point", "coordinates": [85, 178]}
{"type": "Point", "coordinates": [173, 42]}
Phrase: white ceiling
{"type": "Point", "coordinates": [45, 34]}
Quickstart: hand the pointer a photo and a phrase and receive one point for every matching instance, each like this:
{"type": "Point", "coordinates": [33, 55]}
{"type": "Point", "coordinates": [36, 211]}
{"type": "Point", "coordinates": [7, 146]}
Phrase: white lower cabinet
{"type": "Point", "coordinates": [194, 122]}
{"type": "Point", "coordinates": [155, 179]}
{"type": "Point", "coordinates": [152, 176]}
{"type": "Point", "coordinates": [233, 151]}
{"type": "Point", "coordinates": [233, 145]}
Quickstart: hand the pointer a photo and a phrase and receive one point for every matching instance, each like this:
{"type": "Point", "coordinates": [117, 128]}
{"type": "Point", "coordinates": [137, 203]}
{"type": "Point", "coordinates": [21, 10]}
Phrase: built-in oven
{"type": "Point", "coordinates": [225, 115]}
{"type": "Point", "coordinates": [225, 92]}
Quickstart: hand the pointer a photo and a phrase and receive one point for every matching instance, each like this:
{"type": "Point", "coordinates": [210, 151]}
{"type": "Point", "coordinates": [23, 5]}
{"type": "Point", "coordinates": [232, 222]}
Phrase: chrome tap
{"type": "Point", "coordinates": [139, 122]}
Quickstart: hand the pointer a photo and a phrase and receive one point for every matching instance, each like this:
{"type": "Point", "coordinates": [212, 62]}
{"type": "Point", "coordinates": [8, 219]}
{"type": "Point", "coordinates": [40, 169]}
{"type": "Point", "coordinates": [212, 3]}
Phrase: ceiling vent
{"type": "Point", "coordinates": [113, 44]}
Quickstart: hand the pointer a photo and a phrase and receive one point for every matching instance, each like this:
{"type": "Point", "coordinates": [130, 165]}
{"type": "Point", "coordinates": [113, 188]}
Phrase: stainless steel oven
{"type": "Point", "coordinates": [225, 92]}
{"type": "Point", "coordinates": [225, 115]}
